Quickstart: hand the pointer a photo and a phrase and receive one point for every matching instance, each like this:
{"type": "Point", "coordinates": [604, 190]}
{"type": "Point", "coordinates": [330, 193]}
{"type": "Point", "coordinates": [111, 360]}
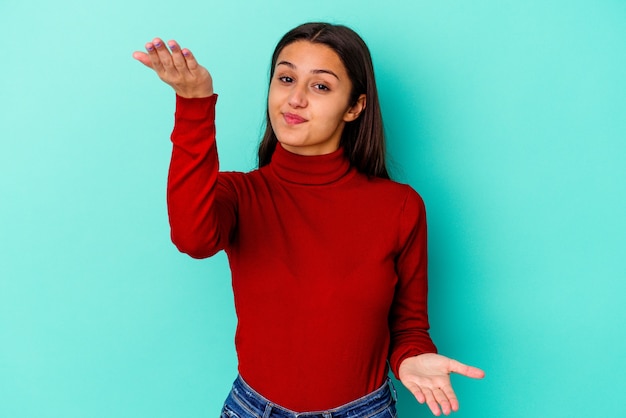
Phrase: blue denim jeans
{"type": "Point", "coordinates": [244, 402]}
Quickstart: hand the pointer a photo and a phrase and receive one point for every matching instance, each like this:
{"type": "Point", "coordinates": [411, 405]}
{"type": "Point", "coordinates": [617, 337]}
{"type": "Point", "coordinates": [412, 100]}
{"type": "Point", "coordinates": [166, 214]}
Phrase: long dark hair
{"type": "Point", "coordinates": [363, 140]}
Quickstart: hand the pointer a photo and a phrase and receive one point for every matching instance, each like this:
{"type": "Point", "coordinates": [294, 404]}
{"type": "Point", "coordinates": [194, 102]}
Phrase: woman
{"type": "Point", "coordinates": [328, 256]}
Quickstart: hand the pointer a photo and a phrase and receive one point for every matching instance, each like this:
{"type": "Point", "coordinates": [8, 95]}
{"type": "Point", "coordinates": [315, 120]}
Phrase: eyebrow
{"type": "Point", "coordinates": [317, 71]}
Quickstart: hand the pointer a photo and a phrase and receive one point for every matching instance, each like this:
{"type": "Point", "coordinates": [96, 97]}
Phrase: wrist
{"type": "Point", "coordinates": [195, 94]}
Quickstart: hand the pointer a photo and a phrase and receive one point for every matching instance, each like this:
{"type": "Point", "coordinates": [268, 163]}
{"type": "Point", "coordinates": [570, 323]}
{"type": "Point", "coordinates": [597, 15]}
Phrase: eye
{"type": "Point", "coordinates": [321, 87]}
{"type": "Point", "coordinates": [285, 79]}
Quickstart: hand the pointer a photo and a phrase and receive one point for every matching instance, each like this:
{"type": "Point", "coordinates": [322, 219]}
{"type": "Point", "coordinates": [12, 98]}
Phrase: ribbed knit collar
{"type": "Point", "coordinates": [309, 170]}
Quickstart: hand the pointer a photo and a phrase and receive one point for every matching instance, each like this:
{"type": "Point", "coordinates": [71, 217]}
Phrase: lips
{"type": "Point", "coordinates": [293, 119]}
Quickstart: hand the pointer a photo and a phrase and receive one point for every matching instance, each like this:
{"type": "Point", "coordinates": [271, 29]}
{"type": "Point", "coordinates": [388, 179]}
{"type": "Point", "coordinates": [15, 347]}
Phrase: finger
{"type": "Point", "coordinates": [143, 58]}
{"type": "Point", "coordinates": [465, 370]}
{"type": "Point", "coordinates": [454, 402]}
{"type": "Point", "coordinates": [442, 400]}
{"type": "Point", "coordinates": [192, 64]}
{"type": "Point", "coordinates": [416, 391]}
{"type": "Point", "coordinates": [164, 56]}
{"type": "Point", "coordinates": [432, 402]}
{"type": "Point", "coordinates": [155, 61]}
{"type": "Point", "coordinates": [177, 56]}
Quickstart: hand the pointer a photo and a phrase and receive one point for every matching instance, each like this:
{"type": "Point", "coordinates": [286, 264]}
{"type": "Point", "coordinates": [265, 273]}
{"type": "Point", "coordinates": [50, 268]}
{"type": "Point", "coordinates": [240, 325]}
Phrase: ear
{"type": "Point", "coordinates": [355, 110]}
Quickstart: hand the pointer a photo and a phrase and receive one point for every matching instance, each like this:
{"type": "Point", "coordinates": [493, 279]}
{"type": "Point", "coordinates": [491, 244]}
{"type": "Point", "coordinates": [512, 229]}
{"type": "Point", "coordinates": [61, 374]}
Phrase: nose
{"type": "Point", "coordinates": [297, 97]}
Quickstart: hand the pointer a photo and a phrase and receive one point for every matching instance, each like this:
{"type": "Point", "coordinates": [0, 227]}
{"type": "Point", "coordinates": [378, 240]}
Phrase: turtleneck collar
{"type": "Point", "coordinates": [309, 170]}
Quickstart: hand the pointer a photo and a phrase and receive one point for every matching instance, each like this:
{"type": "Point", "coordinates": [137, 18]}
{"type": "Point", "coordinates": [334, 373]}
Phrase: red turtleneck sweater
{"type": "Point", "coordinates": [328, 265]}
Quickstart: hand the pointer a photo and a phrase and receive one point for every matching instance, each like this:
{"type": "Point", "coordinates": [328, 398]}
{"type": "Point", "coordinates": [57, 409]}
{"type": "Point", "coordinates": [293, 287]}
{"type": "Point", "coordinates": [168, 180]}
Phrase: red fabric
{"type": "Point", "coordinates": [328, 266]}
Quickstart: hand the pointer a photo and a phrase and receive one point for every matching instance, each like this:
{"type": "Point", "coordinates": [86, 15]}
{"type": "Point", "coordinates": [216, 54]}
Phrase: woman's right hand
{"type": "Point", "coordinates": [177, 68]}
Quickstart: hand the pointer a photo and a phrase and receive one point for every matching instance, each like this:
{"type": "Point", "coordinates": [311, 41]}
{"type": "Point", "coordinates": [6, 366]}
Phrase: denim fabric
{"type": "Point", "coordinates": [244, 402]}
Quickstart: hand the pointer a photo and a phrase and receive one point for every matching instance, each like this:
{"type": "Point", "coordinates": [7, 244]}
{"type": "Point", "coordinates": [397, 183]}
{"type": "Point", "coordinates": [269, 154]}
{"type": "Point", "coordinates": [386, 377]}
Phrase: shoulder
{"type": "Point", "coordinates": [398, 193]}
{"type": "Point", "coordinates": [238, 176]}
{"type": "Point", "coordinates": [241, 182]}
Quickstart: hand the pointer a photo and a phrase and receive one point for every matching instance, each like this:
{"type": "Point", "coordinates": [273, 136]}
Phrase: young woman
{"type": "Point", "coordinates": [328, 256]}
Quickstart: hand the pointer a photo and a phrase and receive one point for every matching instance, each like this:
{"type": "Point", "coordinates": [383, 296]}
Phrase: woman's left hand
{"type": "Point", "coordinates": [427, 377]}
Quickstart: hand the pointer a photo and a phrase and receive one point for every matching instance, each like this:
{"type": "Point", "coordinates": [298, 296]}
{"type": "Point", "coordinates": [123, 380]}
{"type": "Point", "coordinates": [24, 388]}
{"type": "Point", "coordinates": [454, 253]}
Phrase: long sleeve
{"type": "Point", "coordinates": [201, 211]}
{"type": "Point", "coordinates": [409, 317]}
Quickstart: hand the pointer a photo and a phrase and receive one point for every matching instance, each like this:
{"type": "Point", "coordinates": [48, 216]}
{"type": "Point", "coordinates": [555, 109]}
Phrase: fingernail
{"type": "Point", "coordinates": [172, 46]}
{"type": "Point", "coordinates": [158, 44]}
{"type": "Point", "coordinates": [186, 53]}
{"type": "Point", "coordinates": [150, 48]}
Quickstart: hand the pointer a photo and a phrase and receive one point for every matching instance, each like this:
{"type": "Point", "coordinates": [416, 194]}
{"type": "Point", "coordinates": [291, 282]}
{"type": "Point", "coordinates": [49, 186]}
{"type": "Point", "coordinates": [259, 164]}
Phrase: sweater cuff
{"type": "Point", "coordinates": [197, 108]}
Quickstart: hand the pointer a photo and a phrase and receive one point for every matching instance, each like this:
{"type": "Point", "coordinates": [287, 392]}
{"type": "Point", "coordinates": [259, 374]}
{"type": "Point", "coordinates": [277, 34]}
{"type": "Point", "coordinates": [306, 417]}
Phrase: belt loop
{"type": "Point", "coordinates": [394, 394]}
{"type": "Point", "coordinates": [268, 410]}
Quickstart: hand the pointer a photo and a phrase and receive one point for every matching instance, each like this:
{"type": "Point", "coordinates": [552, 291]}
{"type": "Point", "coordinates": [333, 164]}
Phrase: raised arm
{"type": "Point", "coordinates": [201, 208]}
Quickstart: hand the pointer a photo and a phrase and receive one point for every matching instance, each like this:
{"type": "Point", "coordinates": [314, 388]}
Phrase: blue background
{"type": "Point", "coordinates": [509, 117]}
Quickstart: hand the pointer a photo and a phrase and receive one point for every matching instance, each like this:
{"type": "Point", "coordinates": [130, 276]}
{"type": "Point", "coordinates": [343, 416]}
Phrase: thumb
{"type": "Point", "coordinates": [143, 58]}
{"type": "Point", "coordinates": [465, 370]}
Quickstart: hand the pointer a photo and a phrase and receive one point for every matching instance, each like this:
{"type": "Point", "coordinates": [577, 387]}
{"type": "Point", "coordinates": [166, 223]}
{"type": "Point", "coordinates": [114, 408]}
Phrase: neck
{"type": "Point", "coordinates": [309, 169]}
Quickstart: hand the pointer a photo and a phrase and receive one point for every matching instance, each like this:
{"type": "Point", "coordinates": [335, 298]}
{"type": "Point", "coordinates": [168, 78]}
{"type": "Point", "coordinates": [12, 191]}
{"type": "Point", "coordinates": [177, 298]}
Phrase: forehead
{"type": "Point", "coordinates": [307, 56]}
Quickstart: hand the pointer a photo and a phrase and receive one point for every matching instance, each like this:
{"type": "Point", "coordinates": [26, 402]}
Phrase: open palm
{"type": "Point", "coordinates": [427, 377]}
{"type": "Point", "coordinates": [177, 67]}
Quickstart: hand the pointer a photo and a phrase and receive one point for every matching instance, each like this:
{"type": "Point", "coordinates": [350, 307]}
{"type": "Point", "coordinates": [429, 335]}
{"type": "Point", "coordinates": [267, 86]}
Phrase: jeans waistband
{"type": "Point", "coordinates": [258, 406]}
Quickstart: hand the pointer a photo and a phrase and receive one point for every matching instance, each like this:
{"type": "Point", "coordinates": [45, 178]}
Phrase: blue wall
{"type": "Point", "coordinates": [508, 117]}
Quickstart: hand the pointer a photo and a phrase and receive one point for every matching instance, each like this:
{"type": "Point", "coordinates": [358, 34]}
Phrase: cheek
{"type": "Point", "coordinates": [333, 116]}
{"type": "Point", "coordinates": [273, 105]}
{"type": "Point", "coordinates": [273, 96]}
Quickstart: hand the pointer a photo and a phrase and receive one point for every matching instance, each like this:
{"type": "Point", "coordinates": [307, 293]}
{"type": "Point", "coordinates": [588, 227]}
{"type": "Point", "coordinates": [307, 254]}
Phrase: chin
{"type": "Point", "coordinates": [290, 141]}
